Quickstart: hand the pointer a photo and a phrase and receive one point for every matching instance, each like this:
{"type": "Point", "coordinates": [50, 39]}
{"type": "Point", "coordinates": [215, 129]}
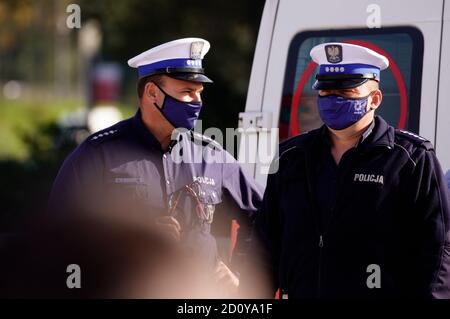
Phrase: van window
{"type": "Point", "coordinates": [400, 83]}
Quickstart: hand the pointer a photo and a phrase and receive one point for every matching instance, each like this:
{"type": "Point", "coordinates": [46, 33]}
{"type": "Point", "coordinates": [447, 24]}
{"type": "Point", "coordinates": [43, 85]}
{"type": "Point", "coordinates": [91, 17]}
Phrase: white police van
{"type": "Point", "coordinates": [414, 35]}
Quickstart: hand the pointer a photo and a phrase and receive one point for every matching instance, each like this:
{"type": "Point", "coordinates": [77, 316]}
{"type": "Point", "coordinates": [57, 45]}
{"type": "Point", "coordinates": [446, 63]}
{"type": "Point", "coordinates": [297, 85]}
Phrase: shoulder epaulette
{"type": "Point", "coordinates": [415, 139]}
{"type": "Point", "coordinates": [103, 136]}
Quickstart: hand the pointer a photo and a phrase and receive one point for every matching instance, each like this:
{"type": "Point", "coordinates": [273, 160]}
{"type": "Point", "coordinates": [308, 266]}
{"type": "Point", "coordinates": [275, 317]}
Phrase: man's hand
{"type": "Point", "coordinates": [226, 279]}
{"type": "Point", "coordinates": [169, 226]}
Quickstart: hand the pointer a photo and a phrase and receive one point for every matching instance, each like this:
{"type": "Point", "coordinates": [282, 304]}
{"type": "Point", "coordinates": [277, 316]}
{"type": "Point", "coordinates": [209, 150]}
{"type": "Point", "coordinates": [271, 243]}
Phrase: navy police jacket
{"type": "Point", "coordinates": [387, 234]}
{"type": "Point", "coordinates": [123, 168]}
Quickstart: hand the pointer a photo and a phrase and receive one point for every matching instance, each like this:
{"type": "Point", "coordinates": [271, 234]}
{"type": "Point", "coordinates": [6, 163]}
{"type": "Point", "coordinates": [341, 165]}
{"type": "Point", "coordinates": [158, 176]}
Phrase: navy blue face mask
{"type": "Point", "coordinates": [179, 113]}
{"type": "Point", "coordinates": [338, 112]}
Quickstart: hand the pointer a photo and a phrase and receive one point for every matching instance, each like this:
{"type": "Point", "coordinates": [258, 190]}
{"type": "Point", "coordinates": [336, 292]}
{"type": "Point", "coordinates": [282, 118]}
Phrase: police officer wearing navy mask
{"type": "Point", "coordinates": [154, 164]}
{"type": "Point", "coordinates": [357, 208]}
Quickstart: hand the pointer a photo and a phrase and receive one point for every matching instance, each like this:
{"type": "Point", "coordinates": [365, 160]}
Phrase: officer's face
{"type": "Point", "coordinates": [185, 91]}
{"type": "Point", "coordinates": [370, 88]}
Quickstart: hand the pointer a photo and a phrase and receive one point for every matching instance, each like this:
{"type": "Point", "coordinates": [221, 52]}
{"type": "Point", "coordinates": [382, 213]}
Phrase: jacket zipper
{"type": "Point", "coordinates": [323, 232]}
{"type": "Point", "coordinates": [319, 229]}
{"type": "Point", "coordinates": [317, 224]}
{"type": "Point", "coordinates": [319, 286]}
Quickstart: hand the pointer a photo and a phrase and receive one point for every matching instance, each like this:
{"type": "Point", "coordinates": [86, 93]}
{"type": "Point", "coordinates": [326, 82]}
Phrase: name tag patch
{"type": "Point", "coordinates": [369, 178]}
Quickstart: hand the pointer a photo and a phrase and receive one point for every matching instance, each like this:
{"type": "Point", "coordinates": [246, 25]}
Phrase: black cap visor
{"type": "Point", "coordinates": [342, 81]}
{"type": "Point", "coordinates": [193, 77]}
{"type": "Point", "coordinates": [338, 84]}
{"type": "Point", "coordinates": [185, 74]}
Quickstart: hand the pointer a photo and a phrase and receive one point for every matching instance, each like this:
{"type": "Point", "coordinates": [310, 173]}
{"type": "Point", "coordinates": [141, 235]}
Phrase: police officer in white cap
{"type": "Point", "coordinates": [357, 208]}
{"type": "Point", "coordinates": [134, 164]}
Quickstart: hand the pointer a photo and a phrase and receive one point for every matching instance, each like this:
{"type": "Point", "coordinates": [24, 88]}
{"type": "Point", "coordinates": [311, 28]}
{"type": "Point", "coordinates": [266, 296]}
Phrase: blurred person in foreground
{"type": "Point", "coordinates": [115, 256]}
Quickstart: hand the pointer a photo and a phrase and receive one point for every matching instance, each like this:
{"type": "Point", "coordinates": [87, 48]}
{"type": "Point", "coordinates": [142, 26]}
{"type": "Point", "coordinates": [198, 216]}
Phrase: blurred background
{"type": "Point", "coordinates": [59, 83]}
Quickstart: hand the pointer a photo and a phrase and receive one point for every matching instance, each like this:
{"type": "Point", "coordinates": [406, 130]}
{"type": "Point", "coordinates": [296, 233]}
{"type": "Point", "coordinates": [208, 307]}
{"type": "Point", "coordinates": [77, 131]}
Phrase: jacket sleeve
{"type": "Point", "coordinates": [244, 198]}
{"type": "Point", "coordinates": [260, 279]}
{"type": "Point", "coordinates": [74, 189]}
{"type": "Point", "coordinates": [431, 203]}
{"type": "Point", "coordinates": [447, 177]}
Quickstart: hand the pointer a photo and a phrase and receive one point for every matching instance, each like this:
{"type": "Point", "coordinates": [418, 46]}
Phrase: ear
{"type": "Point", "coordinates": [150, 93]}
{"type": "Point", "coordinates": [376, 99]}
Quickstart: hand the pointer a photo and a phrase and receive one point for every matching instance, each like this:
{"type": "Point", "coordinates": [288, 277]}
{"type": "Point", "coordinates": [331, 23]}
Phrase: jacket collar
{"type": "Point", "coordinates": [378, 134]}
{"type": "Point", "coordinates": [381, 136]}
{"type": "Point", "coordinates": [143, 132]}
